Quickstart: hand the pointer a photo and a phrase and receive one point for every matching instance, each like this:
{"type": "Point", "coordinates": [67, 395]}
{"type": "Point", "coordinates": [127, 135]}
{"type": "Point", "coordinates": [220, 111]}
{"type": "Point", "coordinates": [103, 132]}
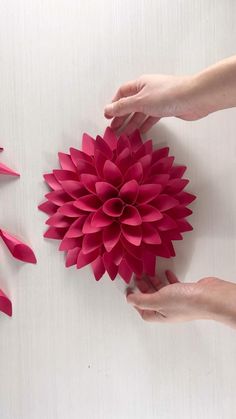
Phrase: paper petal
{"type": "Point", "coordinates": [148, 192]}
{"type": "Point", "coordinates": [91, 242]}
{"type": "Point", "coordinates": [76, 228]}
{"type": "Point", "coordinates": [112, 173]}
{"type": "Point", "coordinates": [176, 185]}
{"type": "Point", "coordinates": [62, 175]}
{"type": "Point", "coordinates": [162, 165]}
{"type": "Point", "coordinates": [69, 210]}
{"type": "Point", "coordinates": [98, 268]}
{"type": "Point", "coordinates": [177, 171]}
{"type": "Point", "coordinates": [88, 226]}
{"type": "Point", "coordinates": [110, 138]}
{"type": "Point", "coordinates": [125, 271]}
{"type": "Point", "coordinates": [136, 265]}
{"type": "Point", "coordinates": [88, 203]}
{"type": "Point", "coordinates": [129, 191]}
{"type": "Point", "coordinates": [111, 236]}
{"type": "Point", "coordinates": [84, 260]}
{"type": "Point", "coordinates": [150, 234]}
{"type": "Point", "coordinates": [103, 147]}
{"type": "Point", "coordinates": [51, 180]}
{"type": "Point", "coordinates": [149, 262]}
{"type": "Point", "coordinates": [73, 188]}
{"type": "Point", "coordinates": [70, 243]}
{"type": "Point", "coordinates": [58, 197]}
{"type": "Point", "coordinates": [113, 207]}
{"type": "Point", "coordinates": [110, 267]}
{"type": "Point", "coordinates": [55, 233]}
{"type": "Point", "coordinates": [58, 220]}
{"type": "Point", "coordinates": [134, 172]}
{"type": "Point", "coordinates": [100, 219]}
{"type": "Point", "coordinates": [89, 181]}
{"type": "Point", "coordinates": [185, 198]}
{"type": "Point", "coordinates": [48, 207]}
{"type": "Point", "coordinates": [131, 216]}
{"type": "Point", "coordinates": [159, 154]}
{"type": "Point", "coordinates": [5, 170]}
{"type": "Point", "coordinates": [18, 249]}
{"type": "Point", "coordinates": [66, 162]}
{"type": "Point", "coordinates": [5, 304]}
{"type": "Point", "coordinates": [165, 202]}
{"type": "Point", "coordinates": [71, 257]}
{"type": "Point", "coordinates": [132, 233]}
{"type": "Point", "coordinates": [135, 140]}
{"type": "Point", "coordinates": [106, 191]}
{"type": "Point", "coordinates": [77, 155]}
{"type": "Point", "coordinates": [149, 213]}
{"type": "Point", "coordinates": [88, 144]}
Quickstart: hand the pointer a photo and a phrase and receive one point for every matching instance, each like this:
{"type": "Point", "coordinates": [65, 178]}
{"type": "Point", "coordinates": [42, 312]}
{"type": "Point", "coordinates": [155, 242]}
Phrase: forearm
{"type": "Point", "coordinates": [215, 87]}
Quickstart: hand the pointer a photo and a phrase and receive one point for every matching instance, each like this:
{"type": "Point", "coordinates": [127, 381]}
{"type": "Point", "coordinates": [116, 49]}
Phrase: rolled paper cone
{"type": "Point", "coordinates": [18, 249]}
{"type": "Point", "coordinates": [5, 170]}
{"type": "Point", "coordinates": [5, 304]}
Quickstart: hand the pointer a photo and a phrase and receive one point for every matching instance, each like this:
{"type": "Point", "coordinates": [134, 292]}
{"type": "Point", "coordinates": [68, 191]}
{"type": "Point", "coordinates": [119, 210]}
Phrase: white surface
{"type": "Point", "coordinates": [74, 349]}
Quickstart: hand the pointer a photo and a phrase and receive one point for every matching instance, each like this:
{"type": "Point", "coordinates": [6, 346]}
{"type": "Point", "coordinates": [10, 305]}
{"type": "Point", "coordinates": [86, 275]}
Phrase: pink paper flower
{"type": "Point", "coordinates": [116, 205]}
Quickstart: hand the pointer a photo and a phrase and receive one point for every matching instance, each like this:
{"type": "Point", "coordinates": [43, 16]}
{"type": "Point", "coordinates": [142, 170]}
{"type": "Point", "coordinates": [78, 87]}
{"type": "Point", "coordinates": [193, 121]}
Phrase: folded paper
{"type": "Point", "coordinates": [117, 205]}
{"type": "Point", "coordinates": [17, 248]}
{"type": "Point", "coordinates": [5, 304]}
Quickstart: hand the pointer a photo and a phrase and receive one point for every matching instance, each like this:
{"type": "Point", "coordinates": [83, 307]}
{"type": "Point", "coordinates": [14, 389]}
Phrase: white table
{"type": "Point", "coordinates": [73, 348]}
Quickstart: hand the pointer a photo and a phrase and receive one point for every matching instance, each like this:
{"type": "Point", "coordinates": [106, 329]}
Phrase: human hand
{"type": "Point", "coordinates": [171, 301]}
{"type": "Point", "coordinates": [143, 102]}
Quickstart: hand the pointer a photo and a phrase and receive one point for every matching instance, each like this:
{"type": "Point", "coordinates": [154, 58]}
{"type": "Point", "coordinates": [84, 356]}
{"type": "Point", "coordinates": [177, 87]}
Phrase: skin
{"type": "Point", "coordinates": [140, 104]}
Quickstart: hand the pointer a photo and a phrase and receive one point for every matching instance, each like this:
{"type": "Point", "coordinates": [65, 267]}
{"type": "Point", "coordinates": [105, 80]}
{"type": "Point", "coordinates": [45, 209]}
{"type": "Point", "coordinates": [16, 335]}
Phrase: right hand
{"type": "Point", "coordinates": [151, 97]}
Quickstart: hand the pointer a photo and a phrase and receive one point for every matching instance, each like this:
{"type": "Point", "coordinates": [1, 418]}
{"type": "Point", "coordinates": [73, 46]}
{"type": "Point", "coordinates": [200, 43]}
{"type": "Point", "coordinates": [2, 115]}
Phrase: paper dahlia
{"type": "Point", "coordinates": [117, 205]}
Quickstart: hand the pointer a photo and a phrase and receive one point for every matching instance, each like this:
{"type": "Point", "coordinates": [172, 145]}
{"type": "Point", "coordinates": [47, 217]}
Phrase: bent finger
{"type": "Point", "coordinates": [148, 123]}
{"type": "Point", "coordinates": [135, 122]}
{"type": "Point", "coordinates": [171, 277]}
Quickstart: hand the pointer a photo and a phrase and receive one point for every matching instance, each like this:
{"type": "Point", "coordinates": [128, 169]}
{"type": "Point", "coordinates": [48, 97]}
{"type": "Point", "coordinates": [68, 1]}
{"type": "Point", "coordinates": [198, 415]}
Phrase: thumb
{"type": "Point", "coordinates": [122, 107]}
{"type": "Point", "coordinates": [143, 301]}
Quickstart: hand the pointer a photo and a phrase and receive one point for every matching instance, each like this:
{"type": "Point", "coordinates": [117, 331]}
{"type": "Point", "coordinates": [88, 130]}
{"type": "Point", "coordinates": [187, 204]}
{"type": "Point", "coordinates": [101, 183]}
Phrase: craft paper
{"type": "Point", "coordinates": [117, 205]}
{"type": "Point", "coordinates": [5, 304]}
{"type": "Point", "coordinates": [5, 170]}
{"type": "Point", "coordinates": [17, 248]}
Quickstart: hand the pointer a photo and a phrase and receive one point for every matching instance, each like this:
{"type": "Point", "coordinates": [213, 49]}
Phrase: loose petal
{"type": "Point", "coordinates": [18, 249]}
{"type": "Point", "coordinates": [5, 304]}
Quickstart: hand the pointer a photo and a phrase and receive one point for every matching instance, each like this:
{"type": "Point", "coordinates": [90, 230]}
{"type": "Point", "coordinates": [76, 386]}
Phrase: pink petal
{"type": "Point", "coordinates": [162, 165]}
{"type": "Point", "coordinates": [69, 210]}
{"type": "Point", "coordinates": [135, 140]}
{"type": "Point", "coordinates": [145, 162]}
{"type": "Point", "coordinates": [100, 219]}
{"type": "Point", "coordinates": [84, 260]}
{"type": "Point", "coordinates": [123, 143]}
{"type": "Point", "coordinates": [88, 226]}
{"type": "Point", "coordinates": [180, 212]}
{"type": "Point", "coordinates": [132, 233]}
{"type": "Point", "coordinates": [149, 262]}
{"type": "Point", "coordinates": [110, 267]}
{"type": "Point", "coordinates": [131, 216]}
{"type": "Point", "coordinates": [70, 243]}
{"type": "Point", "coordinates": [85, 167]}
{"type": "Point", "coordinates": [48, 207]}
{"type": "Point", "coordinates": [77, 155]}
{"type": "Point", "coordinates": [165, 202]}
{"type": "Point", "coordinates": [116, 253]}
{"type": "Point", "coordinates": [51, 181]}
{"type": "Point", "coordinates": [91, 242]}
{"type": "Point", "coordinates": [150, 234]}
{"type": "Point", "coordinates": [89, 181]}
{"type": "Point", "coordinates": [110, 138]}
{"type": "Point", "coordinates": [183, 226]}
{"type": "Point", "coordinates": [136, 265]}
{"type": "Point", "coordinates": [98, 268]}
{"type": "Point", "coordinates": [185, 198]}
{"type": "Point", "coordinates": [71, 257]}
{"type": "Point", "coordinates": [62, 175]}
{"type": "Point", "coordinates": [111, 236]}
{"type": "Point", "coordinates": [58, 197]}
{"type": "Point", "coordinates": [145, 148]}
{"type": "Point", "coordinates": [102, 146]}
{"type": "Point", "coordinates": [99, 160]}
{"type": "Point", "coordinates": [18, 249]}
{"type": "Point", "coordinates": [159, 154]}
{"type": "Point", "coordinates": [134, 172]}
{"type": "Point", "coordinates": [125, 271]}
{"type": "Point", "coordinates": [176, 185]}
{"type": "Point", "coordinates": [66, 162]}
{"type": "Point", "coordinates": [136, 251]}
{"type": "Point", "coordinates": [123, 160]}
{"type": "Point", "coordinates": [76, 228]}
{"type": "Point", "coordinates": [160, 179]}
{"type": "Point", "coordinates": [5, 170]}
{"type": "Point", "coordinates": [73, 188]}
{"type": "Point", "coordinates": [5, 304]}
{"type": "Point", "coordinates": [112, 173]}
{"type": "Point", "coordinates": [129, 191]}
{"type": "Point", "coordinates": [177, 171]}
{"type": "Point", "coordinates": [149, 213]}
{"type": "Point", "coordinates": [88, 203]}
{"type": "Point", "coordinates": [105, 190]}
{"type": "Point", "coordinates": [113, 207]}
{"type": "Point", "coordinates": [55, 233]}
{"type": "Point", "coordinates": [58, 220]}
{"type": "Point", "coordinates": [148, 192]}
{"type": "Point", "coordinates": [167, 223]}
{"type": "Point", "coordinates": [88, 144]}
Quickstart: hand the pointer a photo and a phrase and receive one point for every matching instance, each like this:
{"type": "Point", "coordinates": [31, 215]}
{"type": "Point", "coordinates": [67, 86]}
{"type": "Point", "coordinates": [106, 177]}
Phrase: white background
{"type": "Point", "coordinates": [74, 348]}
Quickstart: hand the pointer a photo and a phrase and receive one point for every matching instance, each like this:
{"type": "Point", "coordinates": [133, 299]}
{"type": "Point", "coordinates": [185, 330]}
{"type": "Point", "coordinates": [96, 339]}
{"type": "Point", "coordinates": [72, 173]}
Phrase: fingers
{"type": "Point", "coordinates": [150, 315]}
{"type": "Point", "coordinates": [148, 123]}
{"type": "Point", "coordinates": [135, 122]}
{"type": "Point", "coordinates": [126, 91]}
{"type": "Point", "coordinates": [142, 301]}
{"type": "Point", "coordinates": [122, 107]}
{"type": "Point", "coordinates": [118, 121]}
{"type": "Point", "coordinates": [171, 277]}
